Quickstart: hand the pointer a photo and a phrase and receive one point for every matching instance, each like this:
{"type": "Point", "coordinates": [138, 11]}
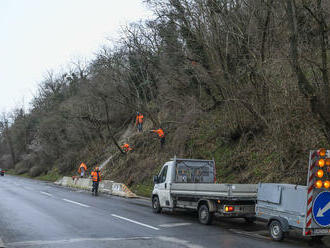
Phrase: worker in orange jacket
{"type": "Point", "coordinates": [126, 147]}
{"type": "Point", "coordinates": [139, 121]}
{"type": "Point", "coordinates": [82, 169]}
{"type": "Point", "coordinates": [96, 178]}
{"type": "Point", "coordinates": [161, 136]}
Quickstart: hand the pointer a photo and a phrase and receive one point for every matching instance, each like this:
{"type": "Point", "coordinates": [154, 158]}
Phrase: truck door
{"type": "Point", "coordinates": [163, 187]}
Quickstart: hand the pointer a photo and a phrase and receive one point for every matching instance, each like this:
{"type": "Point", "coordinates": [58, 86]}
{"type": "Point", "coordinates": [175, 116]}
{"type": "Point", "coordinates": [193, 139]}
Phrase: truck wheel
{"type": "Point", "coordinates": [275, 230]}
{"type": "Point", "coordinates": [204, 215]}
{"type": "Point", "coordinates": [156, 205]}
{"type": "Point", "coordinates": [250, 220]}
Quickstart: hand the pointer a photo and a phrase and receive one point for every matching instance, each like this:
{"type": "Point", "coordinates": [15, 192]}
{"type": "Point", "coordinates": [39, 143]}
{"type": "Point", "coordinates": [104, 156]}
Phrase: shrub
{"type": "Point", "coordinates": [36, 170]}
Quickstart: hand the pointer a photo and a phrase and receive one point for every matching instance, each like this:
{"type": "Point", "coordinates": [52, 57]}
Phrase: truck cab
{"type": "Point", "coordinates": [183, 171]}
{"type": "Point", "coordinates": [162, 186]}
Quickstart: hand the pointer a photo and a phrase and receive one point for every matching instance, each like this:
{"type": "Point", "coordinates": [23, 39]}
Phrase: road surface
{"type": "Point", "coordinates": [40, 214]}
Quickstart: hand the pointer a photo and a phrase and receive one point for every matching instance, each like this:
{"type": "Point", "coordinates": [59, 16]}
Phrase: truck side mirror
{"type": "Point", "coordinates": [155, 179]}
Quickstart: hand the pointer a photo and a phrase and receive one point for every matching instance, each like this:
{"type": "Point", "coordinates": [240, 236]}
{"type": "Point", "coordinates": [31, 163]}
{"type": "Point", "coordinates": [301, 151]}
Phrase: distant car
{"type": "Point", "coordinates": [2, 172]}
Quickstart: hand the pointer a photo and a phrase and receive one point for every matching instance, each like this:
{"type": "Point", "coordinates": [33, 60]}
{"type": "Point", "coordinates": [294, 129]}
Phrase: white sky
{"type": "Point", "coordinates": [41, 35]}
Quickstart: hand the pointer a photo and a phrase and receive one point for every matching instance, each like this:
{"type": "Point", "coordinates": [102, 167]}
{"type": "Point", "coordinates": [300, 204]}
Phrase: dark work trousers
{"type": "Point", "coordinates": [162, 142]}
{"type": "Point", "coordinates": [140, 126]}
{"type": "Point", "coordinates": [95, 187]}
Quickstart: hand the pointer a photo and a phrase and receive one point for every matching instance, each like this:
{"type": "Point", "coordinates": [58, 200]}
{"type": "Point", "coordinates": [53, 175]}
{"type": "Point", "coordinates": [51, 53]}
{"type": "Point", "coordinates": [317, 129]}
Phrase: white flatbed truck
{"type": "Point", "coordinates": [189, 184]}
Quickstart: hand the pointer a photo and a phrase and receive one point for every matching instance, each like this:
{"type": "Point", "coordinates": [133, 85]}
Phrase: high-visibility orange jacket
{"type": "Point", "coordinates": [82, 165]}
{"type": "Point", "coordinates": [160, 132]}
{"type": "Point", "coordinates": [96, 176]}
{"type": "Point", "coordinates": [139, 118]}
{"type": "Point", "coordinates": [126, 147]}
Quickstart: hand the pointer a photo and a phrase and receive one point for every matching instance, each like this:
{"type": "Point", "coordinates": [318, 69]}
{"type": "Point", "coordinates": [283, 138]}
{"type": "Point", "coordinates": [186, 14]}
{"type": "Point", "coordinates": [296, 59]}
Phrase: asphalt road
{"type": "Point", "coordinates": [40, 214]}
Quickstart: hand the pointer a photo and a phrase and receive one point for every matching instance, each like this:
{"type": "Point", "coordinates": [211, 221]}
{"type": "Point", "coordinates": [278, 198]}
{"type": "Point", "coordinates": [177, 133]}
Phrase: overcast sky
{"type": "Point", "coordinates": [41, 35]}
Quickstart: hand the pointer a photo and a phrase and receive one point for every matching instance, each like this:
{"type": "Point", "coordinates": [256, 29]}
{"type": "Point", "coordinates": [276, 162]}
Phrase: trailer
{"type": "Point", "coordinates": [190, 184]}
{"type": "Point", "coordinates": [307, 208]}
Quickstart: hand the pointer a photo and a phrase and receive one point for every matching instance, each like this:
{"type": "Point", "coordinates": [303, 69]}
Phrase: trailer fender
{"type": "Point", "coordinates": [284, 222]}
{"type": "Point", "coordinates": [210, 204]}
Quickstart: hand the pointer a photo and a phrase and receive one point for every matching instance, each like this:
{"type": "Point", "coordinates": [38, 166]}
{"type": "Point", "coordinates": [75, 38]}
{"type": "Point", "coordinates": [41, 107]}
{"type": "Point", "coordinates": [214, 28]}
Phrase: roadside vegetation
{"type": "Point", "coordinates": [243, 82]}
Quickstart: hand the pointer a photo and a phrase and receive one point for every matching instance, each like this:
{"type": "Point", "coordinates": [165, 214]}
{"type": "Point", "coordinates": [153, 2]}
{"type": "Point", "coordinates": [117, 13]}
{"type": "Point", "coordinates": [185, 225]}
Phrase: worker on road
{"type": "Point", "coordinates": [82, 169]}
{"type": "Point", "coordinates": [96, 178]}
{"type": "Point", "coordinates": [161, 136]}
{"type": "Point", "coordinates": [139, 121]}
{"type": "Point", "coordinates": [126, 147]}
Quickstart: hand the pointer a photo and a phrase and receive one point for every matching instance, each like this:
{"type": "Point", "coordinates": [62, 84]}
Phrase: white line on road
{"type": "Point", "coordinates": [45, 193]}
{"type": "Point", "coordinates": [175, 224]}
{"type": "Point", "coordinates": [80, 204]}
{"type": "Point", "coordinates": [135, 222]}
{"type": "Point", "coordinates": [179, 242]}
{"type": "Point", "coordinates": [65, 241]}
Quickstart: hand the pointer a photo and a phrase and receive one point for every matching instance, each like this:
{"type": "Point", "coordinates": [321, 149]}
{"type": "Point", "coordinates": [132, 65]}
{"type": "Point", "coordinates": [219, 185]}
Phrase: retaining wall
{"type": "Point", "coordinates": [105, 186]}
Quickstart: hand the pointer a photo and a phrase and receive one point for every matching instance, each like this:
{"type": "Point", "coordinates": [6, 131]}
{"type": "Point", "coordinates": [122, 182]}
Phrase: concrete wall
{"type": "Point", "coordinates": [105, 186]}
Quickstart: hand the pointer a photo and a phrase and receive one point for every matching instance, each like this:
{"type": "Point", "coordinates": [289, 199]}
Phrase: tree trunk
{"type": "Point", "coordinates": [108, 126]}
{"type": "Point", "coordinates": [319, 108]}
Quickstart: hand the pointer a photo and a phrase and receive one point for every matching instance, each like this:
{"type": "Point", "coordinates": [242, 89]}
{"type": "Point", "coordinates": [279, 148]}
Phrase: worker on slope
{"type": "Point", "coordinates": [126, 147]}
{"type": "Point", "coordinates": [82, 169]}
{"type": "Point", "coordinates": [161, 136]}
{"type": "Point", "coordinates": [96, 178]}
{"type": "Point", "coordinates": [139, 121]}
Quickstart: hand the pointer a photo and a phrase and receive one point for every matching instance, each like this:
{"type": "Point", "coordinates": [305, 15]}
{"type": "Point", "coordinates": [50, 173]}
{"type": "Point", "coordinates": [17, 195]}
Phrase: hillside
{"type": "Point", "coordinates": [243, 82]}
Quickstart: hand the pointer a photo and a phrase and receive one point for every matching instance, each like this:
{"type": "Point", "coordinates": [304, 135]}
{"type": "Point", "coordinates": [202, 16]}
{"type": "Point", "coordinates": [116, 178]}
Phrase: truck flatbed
{"type": "Point", "coordinates": [215, 191]}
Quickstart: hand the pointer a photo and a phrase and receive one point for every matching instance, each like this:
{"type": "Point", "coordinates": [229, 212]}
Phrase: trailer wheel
{"type": "Point", "coordinates": [276, 231]}
{"type": "Point", "coordinates": [156, 205]}
{"type": "Point", "coordinates": [204, 215]}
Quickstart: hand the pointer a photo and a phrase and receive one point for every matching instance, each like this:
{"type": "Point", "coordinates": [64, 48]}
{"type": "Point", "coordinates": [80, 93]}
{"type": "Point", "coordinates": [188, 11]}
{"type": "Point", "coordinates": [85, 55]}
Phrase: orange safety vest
{"type": "Point", "coordinates": [96, 176]}
{"type": "Point", "coordinates": [82, 165]}
{"type": "Point", "coordinates": [160, 132]}
{"type": "Point", "coordinates": [126, 147]}
{"type": "Point", "coordinates": [139, 118]}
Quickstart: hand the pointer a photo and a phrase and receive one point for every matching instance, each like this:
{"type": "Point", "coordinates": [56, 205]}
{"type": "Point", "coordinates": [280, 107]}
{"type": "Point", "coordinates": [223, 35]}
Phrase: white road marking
{"type": "Point", "coordinates": [175, 224]}
{"type": "Point", "coordinates": [135, 222]}
{"type": "Point", "coordinates": [80, 204]}
{"type": "Point", "coordinates": [180, 242]}
{"type": "Point", "coordinates": [45, 193]}
{"type": "Point", "coordinates": [64, 241]}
